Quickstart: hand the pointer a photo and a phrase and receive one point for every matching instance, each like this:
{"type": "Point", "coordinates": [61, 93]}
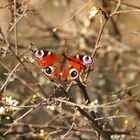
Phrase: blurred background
{"type": "Point", "coordinates": [115, 75]}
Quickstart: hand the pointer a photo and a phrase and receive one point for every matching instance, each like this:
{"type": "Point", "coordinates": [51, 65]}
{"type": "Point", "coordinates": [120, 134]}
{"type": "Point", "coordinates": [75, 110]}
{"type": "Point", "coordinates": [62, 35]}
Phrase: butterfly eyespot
{"type": "Point", "coordinates": [39, 53]}
{"type": "Point", "coordinates": [73, 73]}
{"type": "Point", "coordinates": [48, 70]}
{"type": "Point", "coordinates": [87, 60]}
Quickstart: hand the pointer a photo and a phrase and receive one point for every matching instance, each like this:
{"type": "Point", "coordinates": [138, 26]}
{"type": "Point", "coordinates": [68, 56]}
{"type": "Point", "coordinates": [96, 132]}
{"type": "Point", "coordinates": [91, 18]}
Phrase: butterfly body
{"type": "Point", "coordinates": [62, 66]}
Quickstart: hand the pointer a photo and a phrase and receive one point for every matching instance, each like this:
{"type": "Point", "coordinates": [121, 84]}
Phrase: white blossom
{"type": "Point", "coordinates": [10, 103]}
{"type": "Point", "coordinates": [117, 137]}
{"type": "Point", "coordinates": [2, 110]}
{"type": "Point", "coordinates": [93, 12]}
{"type": "Point", "coordinates": [51, 107]}
{"type": "Point", "coordinates": [93, 106]}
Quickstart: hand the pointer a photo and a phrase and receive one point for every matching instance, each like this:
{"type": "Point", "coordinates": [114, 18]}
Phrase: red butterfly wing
{"type": "Point", "coordinates": [48, 61]}
{"type": "Point", "coordinates": [74, 66]}
{"type": "Point", "coordinates": [61, 66]}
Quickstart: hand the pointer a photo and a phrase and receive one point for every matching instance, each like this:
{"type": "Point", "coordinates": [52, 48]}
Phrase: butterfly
{"type": "Point", "coordinates": [61, 66]}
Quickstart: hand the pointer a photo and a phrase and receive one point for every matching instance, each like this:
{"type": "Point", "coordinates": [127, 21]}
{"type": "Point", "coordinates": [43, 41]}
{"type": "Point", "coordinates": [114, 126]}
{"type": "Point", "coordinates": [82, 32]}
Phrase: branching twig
{"type": "Point", "coordinates": [10, 75]}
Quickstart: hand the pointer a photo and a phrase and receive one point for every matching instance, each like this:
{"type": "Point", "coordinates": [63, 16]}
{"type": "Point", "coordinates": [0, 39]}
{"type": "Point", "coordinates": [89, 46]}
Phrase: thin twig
{"type": "Point", "coordinates": [23, 82]}
{"type": "Point", "coordinates": [17, 21]}
{"type": "Point", "coordinates": [15, 28]}
{"type": "Point", "coordinates": [73, 16]}
{"type": "Point", "coordinates": [73, 123]}
{"type": "Point", "coordinates": [130, 3]}
{"type": "Point", "coordinates": [10, 75]}
{"type": "Point", "coordinates": [102, 28]}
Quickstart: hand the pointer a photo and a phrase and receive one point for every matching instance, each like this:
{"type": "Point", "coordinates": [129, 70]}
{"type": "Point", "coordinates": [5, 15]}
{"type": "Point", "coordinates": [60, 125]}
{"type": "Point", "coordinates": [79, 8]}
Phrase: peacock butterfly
{"type": "Point", "coordinates": [62, 66]}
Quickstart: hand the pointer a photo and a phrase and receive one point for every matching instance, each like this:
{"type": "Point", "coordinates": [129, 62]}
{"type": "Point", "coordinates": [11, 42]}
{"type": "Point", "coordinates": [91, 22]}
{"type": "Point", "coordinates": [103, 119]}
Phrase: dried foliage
{"type": "Point", "coordinates": [103, 105]}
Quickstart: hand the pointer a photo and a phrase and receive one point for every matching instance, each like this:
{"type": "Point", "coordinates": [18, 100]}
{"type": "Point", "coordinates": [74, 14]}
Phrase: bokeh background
{"type": "Point", "coordinates": [115, 75]}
